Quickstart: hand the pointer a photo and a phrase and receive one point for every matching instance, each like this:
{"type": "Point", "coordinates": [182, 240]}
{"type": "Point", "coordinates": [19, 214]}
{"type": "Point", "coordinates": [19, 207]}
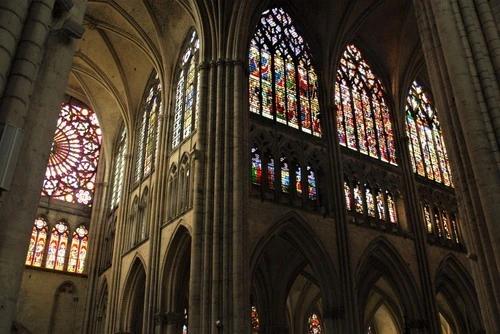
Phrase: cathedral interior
{"type": "Point", "coordinates": [250, 166]}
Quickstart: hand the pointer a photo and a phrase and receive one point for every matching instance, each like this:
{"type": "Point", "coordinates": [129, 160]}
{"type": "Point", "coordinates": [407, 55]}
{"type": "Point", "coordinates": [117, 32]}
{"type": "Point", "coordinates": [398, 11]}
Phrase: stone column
{"type": "Point", "coordinates": [458, 40]}
{"type": "Point", "coordinates": [13, 13]}
{"type": "Point", "coordinates": [18, 206]}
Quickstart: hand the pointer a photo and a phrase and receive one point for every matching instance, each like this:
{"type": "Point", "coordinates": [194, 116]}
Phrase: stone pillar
{"type": "Point", "coordinates": [13, 13]}
{"type": "Point", "coordinates": [458, 42]}
{"type": "Point", "coordinates": [19, 204]}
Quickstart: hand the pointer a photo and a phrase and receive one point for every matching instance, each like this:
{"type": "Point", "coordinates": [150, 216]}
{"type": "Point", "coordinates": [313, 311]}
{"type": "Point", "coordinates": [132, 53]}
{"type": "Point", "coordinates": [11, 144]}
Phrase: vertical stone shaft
{"type": "Point", "coordinates": [19, 204]}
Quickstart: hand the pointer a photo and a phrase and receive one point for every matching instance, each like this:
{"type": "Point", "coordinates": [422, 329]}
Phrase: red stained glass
{"type": "Point", "coordinates": [270, 172]}
{"type": "Point", "coordinates": [37, 243]}
{"type": "Point", "coordinates": [56, 253]}
{"type": "Point", "coordinates": [380, 205]}
{"type": "Point", "coordinates": [78, 251]}
{"type": "Point", "coordinates": [72, 165]}
{"type": "Point", "coordinates": [256, 167]}
{"type": "Point", "coordinates": [298, 180]}
{"type": "Point", "coordinates": [282, 83]}
{"type": "Point", "coordinates": [363, 118]}
{"type": "Point", "coordinates": [426, 144]}
{"type": "Point", "coordinates": [254, 317]}
{"type": "Point", "coordinates": [314, 324]}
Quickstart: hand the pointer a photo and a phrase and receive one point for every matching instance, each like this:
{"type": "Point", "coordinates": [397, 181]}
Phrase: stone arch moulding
{"type": "Point", "coordinates": [299, 234]}
{"type": "Point", "coordinates": [130, 290]}
{"type": "Point", "coordinates": [381, 260]}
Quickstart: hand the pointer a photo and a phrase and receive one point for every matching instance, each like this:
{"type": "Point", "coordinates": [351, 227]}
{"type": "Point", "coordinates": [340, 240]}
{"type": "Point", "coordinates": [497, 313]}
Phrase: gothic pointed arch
{"type": "Point", "coordinates": [381, 260]}
{"type": "Point", "coordinates": [186, 106]}
{"type": "Point", "coordinates": [364, 122]}
{"type": "Point", "coordinates": [175, 277]}
{"type": "Point", "coordinates": [456, 296]}
{"type": "Point", "coordinates": [132, 303]}
{"type": "Point", "coordinates": [292, 238]}
{"type": "Point", "coordinates": [283, 85]}
{"type": "Point", "coordinates": [64, 308]}
{"type": "Point", "coordinates": [100, 312]}
{"type": "Point", "coordinates": [38, 241]}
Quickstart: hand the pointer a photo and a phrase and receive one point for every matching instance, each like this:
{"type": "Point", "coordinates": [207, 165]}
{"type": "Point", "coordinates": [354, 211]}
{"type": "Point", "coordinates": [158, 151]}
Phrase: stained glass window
{"type": "Point", "coordinates": [283, 85]}
{"type": "Point", "coordinates": [427, 218]}
{"type": "Point", "coordinates": [370, 201]}
{"type": "Point", "coordinates": [118, 169]}
{"type": "Point", "coordinates": [186, 93]}
{"type": "Point", "coordinates": [285, 175]}
{"type": "Point", "coordinates": [363, 118]}
{"type": "Point", "coordinates": [311, 184]}
{"type": "Point", "coordinates": [380, 204]}
{"type": "Point", "coordinates": [72, 165]}
{"type": "Point", "coordinates": [427, 149]}
{"type": "Point", "coordinates": [437, 222]}
{"type": "Point", "coordinates": [56, 254]}
{"type": "Point", "coordinates": [37, 243]}
{"type": "Point", "coordinates": [358, 197]}
{"type": "Point", "coordinates": [314, 324]}
{"type": "Point", "coordinates": [185, 324]}
{"type": "Point", "coordinates": [270, 172]}
{"type": "Point", "coordinates": [147, 130]}
{"type": "Point", "coordinates": [391, 208]}
{"type": "Point", "coordinates": [255, 320]}
{"type": "Point", "coordinates": [78, 251]}
{"type": "Point", "coordinates": [348, 196]}
{"type": "Point", "coordinates": [298, 180]}
{"type": "Point", "coordinates": [454, 226]}
{"type": "Point", "coordinates": [256, 167]}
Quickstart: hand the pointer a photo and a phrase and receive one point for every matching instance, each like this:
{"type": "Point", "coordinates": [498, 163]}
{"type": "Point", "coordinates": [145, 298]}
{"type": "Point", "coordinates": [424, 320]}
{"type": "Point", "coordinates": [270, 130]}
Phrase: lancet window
{"type": "Point", "coordinates": [363, 117]}
{"type": "Point", "coordinates": [428, 152]}
{"type": "Point", "coordinates": [74, 155]}
{"type": "Point", "coordinates": [441, 223]}
{"type": "Point", "coordinates": [119, 166]}
{"type": "Point", "coordinates": [38, 240]}
{"type": "Point", "coordinates": [147, 128]}
{"type": "Point", "coordinates": [186, 92]}
{"type": "Point", "coordinates": [314, 324]}
{"type": "Point", "coordinates": [56, 253]}
{"type": "Point", "coordinates": [255, 322]}
{"type": "Point", "coordinates": [283, 85]}
{"type": "Point", "coordinates": [78, 251]}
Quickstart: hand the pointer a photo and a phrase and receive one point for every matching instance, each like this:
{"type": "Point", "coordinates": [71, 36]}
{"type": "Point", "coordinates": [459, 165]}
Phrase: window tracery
{"type": "Point", "coordinates": [428, 152]}
{"type": "Point", "coordinates": [283, 85]}
{"type": "Point", "coordinates": [147, 129]}
{"type": "Point", "coordinates": [74, 155]}
{"type": "Point", "coordinates": [363, 117]}
{"type": "Point", "coordinates": [78, 252]}
{"type": "Point", "coordinates": [119, 166]}
{"type": "Point", "coordinates": [186, 93]}
{"type": "Point", "coordinates": [56, 253]}
{"type": "Point", "coordinates": [38, 240]}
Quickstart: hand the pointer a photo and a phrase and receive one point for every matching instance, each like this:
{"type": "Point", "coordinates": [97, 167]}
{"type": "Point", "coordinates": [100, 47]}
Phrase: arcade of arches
{"type": "Point", "coordinates": [277, 167]}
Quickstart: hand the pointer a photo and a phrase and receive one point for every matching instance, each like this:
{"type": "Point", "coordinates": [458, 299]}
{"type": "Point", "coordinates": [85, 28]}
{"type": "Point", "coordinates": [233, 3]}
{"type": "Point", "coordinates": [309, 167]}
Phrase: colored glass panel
{"type": "Point", "coordinates": [429, 157]}
{"type": "Point", "coordinates": [454, 226]}
{"type": "Point", "coordinates": [358, 198]}
{"type": "Point", "coordinates": [370, 201]}
{"type": "Point", "coordinates": [73, 159]}
{"type": "Point", "coordinates": [78, 251]}
{"type": "Point", "coordinates": [437, 222]}
{"type": "Point", "coordinates": [314, 324]}
{"type": "Point", "coordinates": [186, 105]}
{"type": "Point", "coordinates": [285, 175]}
{"type": "Point", "coordinates": [427, 218]}
{"type": "Point", "coordinates": [282, 81]}
{"type": "Point", "coordinates": [254, 318]}
{"type": "Point", "coordinates": [58, 244]}
{"type": "Point", "coordinates": [37, 243]}
{"type": "Point", "coordinates": [348, 196]}
{"type": "Point", "coordinates": [270, 173]}
{"type": "Point", "coordinates": [311, 184]}
{"type": "Point", "coordinates": [380, 204]}
{"type": "Point", "coordinates": [364, 123]}
{"type": "Point", "coordinates": [446, 226]}
{"type": "Point", "coordinates": [391, 209]}
{"type": "Point", "coordinates": [147, 132]}
{"type": "Point", "coordinates": [256, 167]}
{"type": "Point", "coordinates": [298, 180]}
{"type": "Point", "coordinates": [119, 169]}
